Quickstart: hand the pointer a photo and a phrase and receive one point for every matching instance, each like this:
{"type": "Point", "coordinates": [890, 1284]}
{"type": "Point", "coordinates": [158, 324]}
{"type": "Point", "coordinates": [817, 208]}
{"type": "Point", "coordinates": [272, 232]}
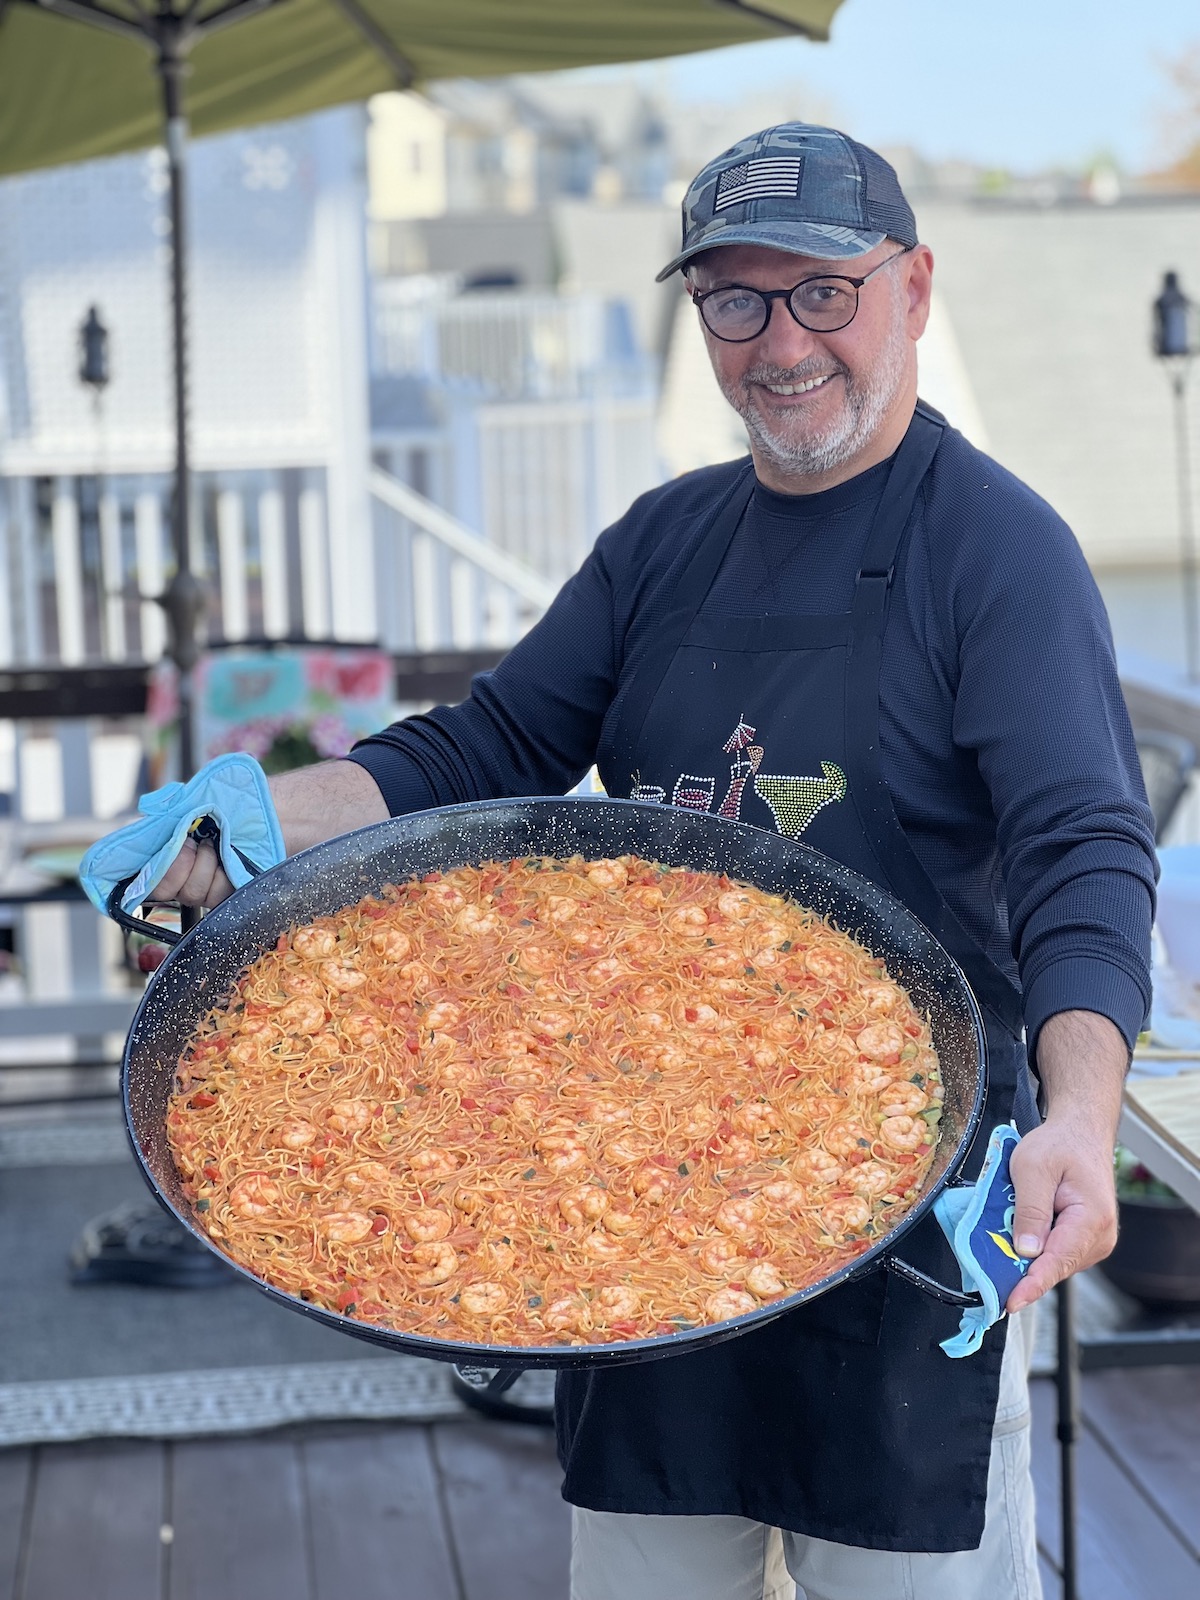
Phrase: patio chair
{"type": "Point", "coordinates": [1167, 763]}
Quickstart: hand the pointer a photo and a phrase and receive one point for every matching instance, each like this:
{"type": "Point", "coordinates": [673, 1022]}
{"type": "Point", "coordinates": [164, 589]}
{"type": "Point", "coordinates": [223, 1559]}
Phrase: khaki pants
{"type": "Point", "coordinates": [618, 1557]}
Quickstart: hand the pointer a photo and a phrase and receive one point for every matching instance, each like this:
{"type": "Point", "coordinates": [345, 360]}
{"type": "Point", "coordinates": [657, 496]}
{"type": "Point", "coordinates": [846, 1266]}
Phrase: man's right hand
{"type": "Point", "coordinates": [313, 804]}
{"type": "Point", "coordinates": [194, 878]}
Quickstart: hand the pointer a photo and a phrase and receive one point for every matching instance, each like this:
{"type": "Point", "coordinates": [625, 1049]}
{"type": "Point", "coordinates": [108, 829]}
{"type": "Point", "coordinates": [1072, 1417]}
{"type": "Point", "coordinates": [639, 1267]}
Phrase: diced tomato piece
{"type": "Point", "coordinates": [201, 1100]}
{"type": "Point", "coordinates": [751, 1030]}
{"type": "Point", "coordinates": [317, 1159]}
{"type": "Point", "coordinates": [346, 1299]}
{"type": "Point", "coordinates": [759, 1249]}
{"type": "Point", "coordinates": [371, 1308]}
{"type": "Point", "coordinates": [379, 1225]}
{"type": "Point", "coordinates": [413, 1045]}
{"type": "Point", "coordinates": [803, 1133]}
{"type": "Point", "coordinates": [725, 1129]}
{"type": "Point", "coordinates": [662, 1161]}
{"type": "Point", "coordinates": [213, 1174]}
{"type": "Point", "coordinates": [513, 991]}
{"type": "Point", "coordinates": [727, 1102]}
{"type": "Point", "coordinates": [906, 1160]}
{"type": "Point", "coordinates": [694, 1155]}
{"type": "Point", "coordinates": [431, 877]}
{"type": "Point", "coordinates": [281, 944]}
{"type": "Point", "coordinates": [737, 1286]}
{"type": "Point", "coordinates": [856, 1157]}
{"type": "Point", "coordinates": [913, 1030]}
{"type": "Point", "coordinates": [468, 1104]}
{"type": "Point", "coordinates": [626, 1328]}
{"type": "Point", "coordinates": [788, 1074]}
{"type": "Point", "coordinates": [690, 1013]}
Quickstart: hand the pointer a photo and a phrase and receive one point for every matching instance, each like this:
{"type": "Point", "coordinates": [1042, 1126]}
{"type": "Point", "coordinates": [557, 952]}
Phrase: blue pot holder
{"type": "Point", "coordinates": [978, 1220]}
{"type": "Point", "coordinates": [232, 791]}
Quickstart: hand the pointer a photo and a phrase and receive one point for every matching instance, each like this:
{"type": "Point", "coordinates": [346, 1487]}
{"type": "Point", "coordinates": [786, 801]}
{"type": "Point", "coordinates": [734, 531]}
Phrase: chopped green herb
{"type": "Point", "coordinates": [530, 1173]}
{"type": "Point", "coordinates": [534, 1300]}
{"type": "Point", "coordinates": [201, 1205]}
{"type": "Point", "coordinates": [682, 1169]}
{"type": "Point", "coordinates": [751, 973]}
{"type": "Point", "coordinates": [710, 943]}
{"type": "Point", "coordinates": [420, 1088]}
{"type": "Point", "coordinates": [786, 945]}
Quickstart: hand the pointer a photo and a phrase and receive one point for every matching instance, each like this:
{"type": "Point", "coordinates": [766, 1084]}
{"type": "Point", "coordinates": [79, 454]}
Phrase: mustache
{"type": "Point", "coordinates": [801, 373]}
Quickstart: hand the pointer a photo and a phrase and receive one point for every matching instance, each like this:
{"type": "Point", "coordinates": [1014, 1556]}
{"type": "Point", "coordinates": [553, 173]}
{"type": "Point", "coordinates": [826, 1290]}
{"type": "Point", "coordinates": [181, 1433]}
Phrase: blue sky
{"type": "Point", "coordinates": [1022, 85]}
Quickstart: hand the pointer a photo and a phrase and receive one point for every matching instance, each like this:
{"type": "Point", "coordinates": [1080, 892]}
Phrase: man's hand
{"type": "Point", "coordinates": [313, 804]}
{"type": "Point", "coordinates": [1066, 1214]}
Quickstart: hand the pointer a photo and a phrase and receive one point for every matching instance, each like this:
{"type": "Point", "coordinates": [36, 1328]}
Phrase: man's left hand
{"type": "Point", "coordinates": [1066, 1207]}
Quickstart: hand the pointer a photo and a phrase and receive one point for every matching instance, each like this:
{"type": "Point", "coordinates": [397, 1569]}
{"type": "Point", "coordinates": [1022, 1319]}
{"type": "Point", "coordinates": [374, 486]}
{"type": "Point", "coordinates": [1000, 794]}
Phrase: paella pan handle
{"type": "Point", "coordinates": [206, 829]}
{"type": "Point", "coordinates": [489, 1380]}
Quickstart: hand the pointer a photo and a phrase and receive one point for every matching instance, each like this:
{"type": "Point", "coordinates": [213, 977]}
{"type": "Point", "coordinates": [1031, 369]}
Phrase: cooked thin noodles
{"type": "Point", "coordinates": [543, 1102]}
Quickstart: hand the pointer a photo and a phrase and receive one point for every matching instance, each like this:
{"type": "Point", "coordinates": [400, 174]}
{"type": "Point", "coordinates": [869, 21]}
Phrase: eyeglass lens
{"type": "Point", "coordinates": [820, 304]}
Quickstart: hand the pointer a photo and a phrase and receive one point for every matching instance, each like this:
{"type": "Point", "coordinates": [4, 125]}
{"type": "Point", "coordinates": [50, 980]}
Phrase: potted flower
{"type": "Point", "coordinates": [1157, 1258]}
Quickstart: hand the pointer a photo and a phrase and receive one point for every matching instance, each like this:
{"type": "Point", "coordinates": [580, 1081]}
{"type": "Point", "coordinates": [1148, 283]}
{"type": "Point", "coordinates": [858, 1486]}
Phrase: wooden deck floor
{"type": "Point", "coordinates": [470, 1510]}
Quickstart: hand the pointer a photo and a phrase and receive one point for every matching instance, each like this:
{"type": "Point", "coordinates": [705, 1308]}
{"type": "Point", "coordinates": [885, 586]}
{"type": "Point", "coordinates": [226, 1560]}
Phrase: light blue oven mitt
{"type": "Point", "coordinates": [977, 1219]}
{"type": "Point", "coordinates": [232, 790]}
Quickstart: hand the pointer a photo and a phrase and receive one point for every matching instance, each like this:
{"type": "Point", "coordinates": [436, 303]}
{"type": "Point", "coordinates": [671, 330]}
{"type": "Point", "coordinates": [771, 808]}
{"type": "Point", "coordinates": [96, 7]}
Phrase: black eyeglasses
{"type": "Point", "coordinates": [737, 314]}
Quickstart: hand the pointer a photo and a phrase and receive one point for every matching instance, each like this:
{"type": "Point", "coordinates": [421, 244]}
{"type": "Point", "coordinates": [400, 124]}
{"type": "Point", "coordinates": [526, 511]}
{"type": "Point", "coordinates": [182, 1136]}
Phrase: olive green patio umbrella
{"type": "Point", "coordinates": [86, 78]}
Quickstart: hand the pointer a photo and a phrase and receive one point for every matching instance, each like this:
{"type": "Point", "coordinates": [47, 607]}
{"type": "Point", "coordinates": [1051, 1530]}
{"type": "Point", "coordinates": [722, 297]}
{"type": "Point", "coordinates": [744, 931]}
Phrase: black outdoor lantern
{"type": "Point", "coordinates": [93, 345]}
{"type": "Point", "coordinates": [1173, 344]}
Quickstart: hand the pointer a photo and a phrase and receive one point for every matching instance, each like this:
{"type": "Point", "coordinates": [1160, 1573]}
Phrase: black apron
{"type": "Point", "coordinates": [842, 1420]}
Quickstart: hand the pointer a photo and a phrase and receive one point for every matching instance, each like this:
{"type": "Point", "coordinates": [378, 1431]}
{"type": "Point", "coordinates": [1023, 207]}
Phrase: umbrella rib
{"type": "Point", "coordinates": [376, 36]}
{"type": "Point", "coordinates": [97, 16]}
{"type": "Point", "coordinates": [223, 16]}
{"type": "Point", "coordinates": [776, 21]}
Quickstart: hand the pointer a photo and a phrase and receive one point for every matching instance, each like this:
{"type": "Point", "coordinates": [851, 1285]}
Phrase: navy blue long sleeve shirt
{"type": "Point", "coordinates": [1004, 736]}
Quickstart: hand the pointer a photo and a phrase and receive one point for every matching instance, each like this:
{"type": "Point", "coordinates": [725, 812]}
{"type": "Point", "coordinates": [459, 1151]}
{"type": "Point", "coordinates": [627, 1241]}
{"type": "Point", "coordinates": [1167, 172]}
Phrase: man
{"type": "Point", "coordinates": [895, 650]}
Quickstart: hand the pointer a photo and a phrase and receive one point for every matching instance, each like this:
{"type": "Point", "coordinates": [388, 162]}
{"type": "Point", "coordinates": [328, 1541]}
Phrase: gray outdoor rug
{"type": "Point", "coordinates": [119, 1359]}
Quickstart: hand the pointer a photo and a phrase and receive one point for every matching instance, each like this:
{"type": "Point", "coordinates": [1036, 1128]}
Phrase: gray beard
{"type": "Point", "coordinates": [868, 400]}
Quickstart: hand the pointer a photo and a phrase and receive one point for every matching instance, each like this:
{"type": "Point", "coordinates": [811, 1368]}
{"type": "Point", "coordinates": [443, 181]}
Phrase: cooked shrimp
{"type": "Point", "coordinates": [785, 1193]}
{"type": "Point", "coordinates": [700, 1123]}
{"type": "Point", "coordinates": [471, 1201]}
{"type": "Point", "coordinates": [688, 919]}
{"type": "Point", "coordinates": [367, 1175]}
{"type": "Point", "coordinates": [302, 1015]}
{"type": "Point", "coordinates": [458, 1074]}
{"type": "Point", "coordinates": [568, 1314]}
{"type": "Point", "coordinates": [345, 1227]}
{"type": "Point", "coordinates": [314, 944]}
{"type": "Point", "coordinates": [603, 974]}
{"type": "Point", "coordinates": [727, 1303]}
{"type": "Point", "coordinates": [846, 1216]}
{"type": "Point", "coordinates": [828, 962]}
{"type": "Point", "coordinates": [880, 996]}
{"type": "Point", "coordinates": [646, 896]}
{"type": "Point", "coordinates": [644, 946]}
{"type": "Point", "coordinates": [619, 1221]}
{"type": "Point", "coordinates": [817, 1166]}
{"type": "Point", "coordinates": [301, 981]}
{"type": "Point", "coordinates": [500, 1255]}
{"type": "Point", "coordinates": [511, 1043]}
{"type": "Point", "coordinates": [755, 1117]}
{"type": "Point", "coordinates": [868, 1077]}
{"type": "Point", "coordinates": [602, 1246]}
{"type": "Point", "coordinates": [699, 1015]}
{"type": "Point", "coordinates": [608, 874]}
{"type": "Point", "coordinates": [560, 1152]}
{"type": "Point", "coordinates": [872, 1178]}
{"type": "Point", "coordinates": [349, 1116]}
{"type": "Point", "coordinates": [739, 1151]}
{"type": "Point", "coordinates": [617, 1303]}
{"type": "Point", "coordinates": [417, 976]}
{"type": "Point", "coordinates": [296, 1133]}
{"type": "Point", "coordinates": [362, 1029]}
{"type": "Point", "coordinates": [483, 1299]}
{"type": "Point", "coordinates": [437, 1261]}
{"type": "Point", "coordinates": [880, 1039]}
{"type": "Point", "coordinates": [765, 1281]}
{"type": "Point", "coordinates": [903, 1099]}
{"type": "Point", "coordinates": [739, 1217]}
{"type": "Point", "coordinates": [445, 1014]}
{"type": "Point", "coordinates": [721, 959]}
{"type": "Point", "coordinates": [584, 1204]}
{"type": "Point", "coordinates": [527, 1106]}
{"type": "Point", "coordinates": [606, 1113]}
{"type": "Point", "coordinates": [255, 1196]}
{"type": "Point", "coordinates": [652, 1185]}
{"type": "Point", "coordinates": [390, 943]}
{"type": "Point", "coordinates": [903, 1133]}
{"type": "Point", "coordinates": [426, 1226]}
{"type": "Point", "coordinates": [736, 904]}
{"type": "Point", "coordinates": [717, 1256]}
{"type": "Point", "coordinates": [554, 1023]}
{"type": "Point", "coordinates": [247, 1051]}
{"type": "Point", "coordinates": [431, 1162]}
{"type": "Point", "coordinates": [537, 959]}
{"type": "Point", "coordinates": [765, 1056]}
{"type": "Point", "coordinates": [477, 922]}
{"type": "Point", "coordinates": [561, 908]}
{"type": "Point", "coordinates": [626, 1148]}
{"type": "Point", "coordinates": [446, 896]}
{"type": "Point", "coordinates": [844, 1138]}
{"type": "Point", "coordinates": [340, 975]}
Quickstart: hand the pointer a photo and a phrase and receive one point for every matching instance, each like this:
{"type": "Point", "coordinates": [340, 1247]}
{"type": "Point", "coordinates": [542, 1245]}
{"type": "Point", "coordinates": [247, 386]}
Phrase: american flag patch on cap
{"type": "Point", "coordinates": [765, 179]}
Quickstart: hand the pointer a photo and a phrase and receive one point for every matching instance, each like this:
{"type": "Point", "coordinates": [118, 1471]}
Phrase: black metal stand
{"type": "Point", "coordinates": [1067, 1385]}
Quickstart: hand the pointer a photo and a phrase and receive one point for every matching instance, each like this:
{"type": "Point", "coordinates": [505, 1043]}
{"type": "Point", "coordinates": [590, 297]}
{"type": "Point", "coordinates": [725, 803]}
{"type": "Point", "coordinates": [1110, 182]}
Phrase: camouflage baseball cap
{"type": "Point", "coordinates": [808, 190]}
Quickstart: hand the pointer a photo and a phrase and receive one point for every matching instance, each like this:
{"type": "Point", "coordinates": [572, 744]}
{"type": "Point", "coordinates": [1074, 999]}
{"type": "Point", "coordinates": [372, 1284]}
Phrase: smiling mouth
{"type": "Point", "coordinates": [800, 388]}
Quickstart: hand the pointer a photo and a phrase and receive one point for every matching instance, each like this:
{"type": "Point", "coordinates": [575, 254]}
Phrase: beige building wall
{"type": "Point", "coordinates": [406, 158]}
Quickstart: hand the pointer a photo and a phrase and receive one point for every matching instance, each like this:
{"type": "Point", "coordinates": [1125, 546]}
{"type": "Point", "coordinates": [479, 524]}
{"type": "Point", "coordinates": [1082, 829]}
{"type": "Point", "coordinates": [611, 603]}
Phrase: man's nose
{"type": "Point", "coordinates": [784, 343]}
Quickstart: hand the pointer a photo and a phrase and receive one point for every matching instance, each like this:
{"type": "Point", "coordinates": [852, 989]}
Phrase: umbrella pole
{"type": "Point", "coordinates": [184, 600]}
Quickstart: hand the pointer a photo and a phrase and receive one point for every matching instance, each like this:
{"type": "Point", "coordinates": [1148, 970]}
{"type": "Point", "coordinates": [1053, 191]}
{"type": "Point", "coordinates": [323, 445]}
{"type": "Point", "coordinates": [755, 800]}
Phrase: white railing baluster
{"type": "Point", "coordinates": [112, 577]}
{"type": "Point", "coordinates": [314, 564]}
{"type": "Point", "coordinates": [272, 554]}
{"type": "Point", "coordinates": [148, 541]}
{"type": "Point", "coordinates": [68, 572]}
{"type": "Point", "coordinates": [464, 630]}
{"type": "Point", "coordinates": [8, 567]}
{"type": "Point", "coordinates": [425, 602]}
{"type": "Point", "coordinates": [231, 550]}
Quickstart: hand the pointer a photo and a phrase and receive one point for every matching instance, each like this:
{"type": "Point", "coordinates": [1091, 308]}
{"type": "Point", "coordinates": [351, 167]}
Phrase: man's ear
{"type": "Point", "coordinates": [918, 289]}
